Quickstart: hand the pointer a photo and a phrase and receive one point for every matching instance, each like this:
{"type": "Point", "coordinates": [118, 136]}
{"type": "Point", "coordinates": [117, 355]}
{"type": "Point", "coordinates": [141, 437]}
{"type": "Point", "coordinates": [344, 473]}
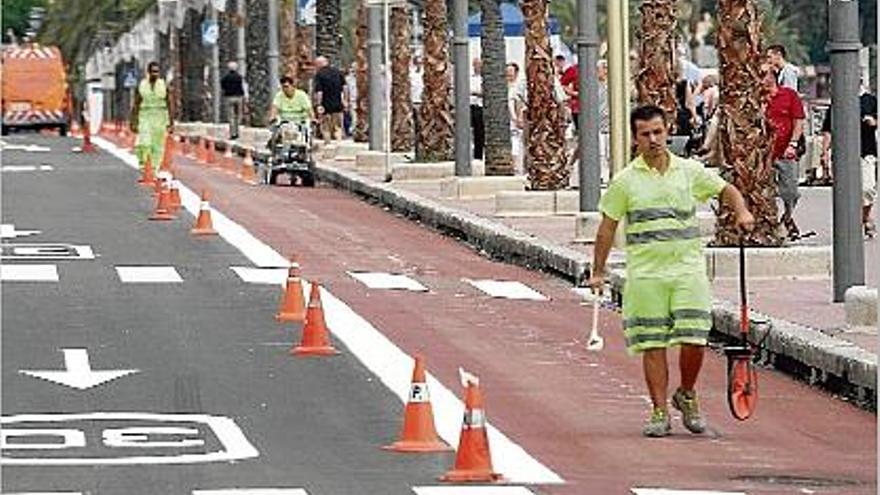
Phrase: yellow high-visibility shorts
{"type": "Point", "coordinates": [660, 313]}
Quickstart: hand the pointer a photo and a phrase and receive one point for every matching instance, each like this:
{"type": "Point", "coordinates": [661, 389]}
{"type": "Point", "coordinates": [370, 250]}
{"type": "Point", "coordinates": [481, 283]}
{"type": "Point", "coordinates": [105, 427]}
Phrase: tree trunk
{"type": "Point", "coordinates": [259, 87]}
{"type": "Point", "coordinates": [288, 31]}
{"type": "Point", "coordinates": [657, 70]}
{"type": "Point", "coordinates": [305, 68]}
{"type": "Point", "coordinates": [546, 166]}
{"type": "Point", "coordinates": [435, 130]}
{"type": "Point", "coordinates": [227, 44]}
{"type": "Point", "coordinates": [496, 114]}
{"type": "Point", "coordinates": [363, 86]}
{"type": "Point", "coordinates": [328, 38]}
{"type": "Point", "coordinates": [192, 55]}
{"type": "Point", "coordinates": [401, 99]}
{"type": "Point", "coordinates": [746, 139]}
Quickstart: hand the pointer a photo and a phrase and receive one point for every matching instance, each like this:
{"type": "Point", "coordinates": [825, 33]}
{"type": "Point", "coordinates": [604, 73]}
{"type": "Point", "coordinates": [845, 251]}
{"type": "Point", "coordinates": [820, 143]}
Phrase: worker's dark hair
{"type": "Point", "coordinates": [645, 113]}
{"type": "Point", "coordinates": [286, 79]}
{"type": "Point", "coordinates": [777, 48]}
{"type": "Point", "coordinates": [514, 65]}
{"type": "Point", "coordinates": [151, 65]}
{"type": "Point", "coordinates": [560, 57]}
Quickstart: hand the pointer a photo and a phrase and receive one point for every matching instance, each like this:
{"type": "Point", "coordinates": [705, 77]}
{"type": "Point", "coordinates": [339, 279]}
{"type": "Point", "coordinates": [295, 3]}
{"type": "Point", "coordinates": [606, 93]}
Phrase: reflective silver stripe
{"type": "Point", "coordinates": [663, 338]}
{"type": "Point", "coordinates": [691, 314]}
{"type": "Point", "coordinates": [648, 214]}
{"type": "Point", "coordinates": [647, 322]}
{"type": "Point", "coordinates": [475, 418]}
{"type": "Point", "coordinates": [418, 392]}
{"type": "Point", "coordinates": [663, 235]}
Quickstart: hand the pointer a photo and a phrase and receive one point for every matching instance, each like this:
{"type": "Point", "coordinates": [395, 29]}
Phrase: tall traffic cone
{"type": "Point", "coordinates": [166, 152]}
{"type": "Point", "coordinates": [87, 146]}
{"type": "Point", "coordinates": [210, 155]}
{"type": "Point", "coordinates": [315, 337]}
{"type": "Point", "coordinates": [473, 462]}
{"type": "Point", "coordinates": [419, 434]}
{"type": "Point", "coordinates": [147, 178]}
{"type": "Point", "coordinates": [174, 196]}
{"type": "Point", "coordinates": [204, 225]}
{"type": "Point", "coordinates": [228, 163]}
{"type": "Point", "coordinates": [163, 206]}
{"type": "Point", "coordinates": [293, 305]}
{"type": "Point", "coordinates": [247, 173]}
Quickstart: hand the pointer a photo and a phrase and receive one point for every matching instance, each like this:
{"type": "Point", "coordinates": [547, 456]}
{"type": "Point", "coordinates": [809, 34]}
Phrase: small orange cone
{"type": "Point", "coordinates": [166, 153]}
{"type": "Point", "coordinates": [315, 337]}
{"type": "Point", "coordinates": [473, 462]}
{"type": "Point", "coordinates": [228, 163]}
{"type": "Point", "coordinates": [163, 206]}
{"type": "Point", "coordinates": [210, 156]}
{"type": "Point", "coordinates": [147, 178]}
{"type": "Point", "coordinates": [419, 433]}
{"type": "Point", "coordinates": [87, 146]}
{"type": "Point", "coordinates": [174, 197]}
{"type": "Point", "coordinates": [204, 226]}
{"type": "Point", "coordinates": [247, 173]}
{"type": "Point", "coordinates": [293, 305]}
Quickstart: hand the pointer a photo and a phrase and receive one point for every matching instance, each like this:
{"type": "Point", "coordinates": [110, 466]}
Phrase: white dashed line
{"type": "Point", "coordinates": [471, 490]}
{"type": "Point", "coordinates": [272, 276]}
{"type": "Point", "coordinates": [252, 491]}
{"type": "Point", "coordinates": [667, 491]}
{"type": "Point", "coordinates": [507, 289]}
{"type": "Point", "coordinates": [29, 273]}
{"type": "Point", "coordinates": [380, 280]}
{"type": "Point", "coordinates": [148, 274]}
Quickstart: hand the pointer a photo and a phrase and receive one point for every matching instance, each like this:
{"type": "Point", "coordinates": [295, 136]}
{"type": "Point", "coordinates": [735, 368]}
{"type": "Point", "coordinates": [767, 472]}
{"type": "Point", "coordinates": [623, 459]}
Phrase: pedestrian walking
{"type": "Point", "coordinates": [667, 300]}
{"type": "Point", "coordinates": [516, 107]}
{"type": "Point", "coordinates": [477, 124]}
{"type": "Point", "coordinates": [350, 115]}
{"type": "Point", "coordinates": [331, 98]}
{"type": "Point", "coordinates": [151, 117]}
{"type": "Point", "coordinates": [232, 86]}
{"type": "Point", "coordinates": [785, 114]}
{"type": "Point", "coordinates": [786, 73]}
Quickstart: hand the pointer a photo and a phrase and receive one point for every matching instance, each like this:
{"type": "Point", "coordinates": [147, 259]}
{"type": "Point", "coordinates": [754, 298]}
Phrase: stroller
{"type": "Point", "coordinates": [290, 150]}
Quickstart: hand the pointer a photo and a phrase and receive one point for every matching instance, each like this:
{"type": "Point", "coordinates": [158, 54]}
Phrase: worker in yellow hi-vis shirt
{"type": "Point", "coordinates": [151, 117]}
{"type": "Point", "coordinates": [666, 299]}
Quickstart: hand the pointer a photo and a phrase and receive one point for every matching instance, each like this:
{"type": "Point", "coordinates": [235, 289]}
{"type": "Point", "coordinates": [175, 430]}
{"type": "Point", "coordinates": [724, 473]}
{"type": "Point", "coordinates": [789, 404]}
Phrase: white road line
{"type": "Point", "coordinates": [43, 493]}
{"type": "Point", "coordinates": [29, 273]}
{"type": "Point", "coordinates": [667, 491]}
{"type": "Point", "coordinates": [381, 280]}
{"type": "Point", "coordinates": [148, 274]}
{"type": "Point", "coordinates": [507, 289]}
{"type": "Point", "coordinates": [18, 168]}
{"type": "Point", "coordinates": [252, 491]}
{"type": "Point", "coordinates": [471, 490]}
{"type": "Point", "coordinates": [7, 231]}
{"type": "Point", "coordinates": [273, 276]}
{"type": "Point", "coordinates": [381, 356]}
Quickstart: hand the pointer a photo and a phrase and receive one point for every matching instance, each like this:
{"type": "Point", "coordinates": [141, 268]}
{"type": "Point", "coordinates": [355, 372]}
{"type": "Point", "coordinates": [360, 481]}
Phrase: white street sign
{"type": "Point", "coordinates": [78, 373]}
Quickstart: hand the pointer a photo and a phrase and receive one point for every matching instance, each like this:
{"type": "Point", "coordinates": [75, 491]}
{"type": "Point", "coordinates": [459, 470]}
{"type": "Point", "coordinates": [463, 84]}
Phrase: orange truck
{"type": "Point", "coordinates": [35, 92]}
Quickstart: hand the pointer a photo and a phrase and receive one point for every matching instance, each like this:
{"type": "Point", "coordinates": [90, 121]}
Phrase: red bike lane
{"type": "Point", "coordinates": [578, 412]}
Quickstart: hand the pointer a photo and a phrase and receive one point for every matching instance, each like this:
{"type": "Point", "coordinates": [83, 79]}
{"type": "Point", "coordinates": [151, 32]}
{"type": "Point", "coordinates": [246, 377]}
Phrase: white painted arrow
{"type": "Point", "coordinates": [79, 372]}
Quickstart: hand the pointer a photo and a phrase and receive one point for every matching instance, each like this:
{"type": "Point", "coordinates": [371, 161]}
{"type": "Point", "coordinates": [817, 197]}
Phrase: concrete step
{"type": "Point", "coordinates": [422, 171]}
{"type": "Point", "coordinates": [481, 187]}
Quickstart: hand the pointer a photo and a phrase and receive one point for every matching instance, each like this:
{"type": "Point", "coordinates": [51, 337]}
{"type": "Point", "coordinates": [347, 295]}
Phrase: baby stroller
{"type": "Point", "coordinates": [291, 153]}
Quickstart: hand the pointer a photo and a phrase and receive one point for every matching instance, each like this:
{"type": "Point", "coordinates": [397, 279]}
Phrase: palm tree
{"type": "Point", "coordinates": [258, 65]}
{"type": "Point", "coordinates": [745, 137]}
{"type": "Point", "coordinates": [363, 88]}
{"type": "Point", "coordinates": [401, 99]}
{"type": "Point", "coordinates": [288, 31]}
{"type": "Point", "coordinates": [192, 55]}
{"type": "Point", "coordinates": [328, 40]}
{"type": "Point", "coordinates": [546, 164]}
{"type": "Point", "coordinates": [657, 67]}
{"type": "Point", "coordinates": [435, 131]}
{"type": "Point", "coordinates": [496, 116]}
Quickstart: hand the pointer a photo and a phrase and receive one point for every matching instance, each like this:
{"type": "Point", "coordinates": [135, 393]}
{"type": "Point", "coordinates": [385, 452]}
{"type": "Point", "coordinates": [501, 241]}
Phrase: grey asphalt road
{"type": "Point", "coordinates": [206, 346]}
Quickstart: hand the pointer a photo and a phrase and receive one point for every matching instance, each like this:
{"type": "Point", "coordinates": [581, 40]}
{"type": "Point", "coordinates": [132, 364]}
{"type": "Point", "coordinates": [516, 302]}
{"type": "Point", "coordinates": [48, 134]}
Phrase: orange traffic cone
{"type": "Point", "coordinates": [419, 434]}
{"type": "Point", "coordinates": [293, 305]}
{"type": "Point", "coordinates": [210, 155]}
{"type": "Point", "coordinates": [163, 206]}
{"type": "Point", "coordinates": [166, 152]}
{"type": "Point", "coordinates": [204, 226]}
{"type": "Point", "coordinates": [147, 178]}
{"type": "Point", "coordinates": [247, 173]}
{"type": "Point", "coordinates": [473, 462]}
{"type": "Point", "coordinates": [315, 337]}
{"type": "Point", "coordinates": [87, 146]}
{"type": "Point", "coordinates": [228, 164]}
{"type": "Point", "coordinates": [174, 196]}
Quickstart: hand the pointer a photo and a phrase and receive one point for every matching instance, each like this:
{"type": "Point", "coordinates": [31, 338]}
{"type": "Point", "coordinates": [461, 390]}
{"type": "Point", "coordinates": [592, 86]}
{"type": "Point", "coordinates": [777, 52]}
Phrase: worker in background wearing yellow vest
{"type": "Point", "coordinates": [151, 117]}
{"type": "Point", "coordinates": [666, 299]}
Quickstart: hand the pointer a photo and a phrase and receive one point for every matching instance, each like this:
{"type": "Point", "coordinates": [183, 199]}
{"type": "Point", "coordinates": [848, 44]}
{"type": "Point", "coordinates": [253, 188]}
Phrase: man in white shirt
{"type": "Point", "coordinates": [477, 108]}
{"type": "Point", "coordinates": [788, 73]}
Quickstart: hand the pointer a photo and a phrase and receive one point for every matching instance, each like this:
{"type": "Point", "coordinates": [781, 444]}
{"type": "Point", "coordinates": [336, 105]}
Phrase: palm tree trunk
{"type": "Point", "coordinates": [328, 39]}
{"type": "Point", "coordinates": [305, 48]}
{"type": "Point", "coordinates": [401, 99]}
{"type": "Point", "coordinates": [745, 137]}
{"type": "Point", "coordinates": [192, 55]}
{"type": "Point", "coordinates": [363, 86]}
{"type": "Point", "coordinates": [258, 65]}
{"type": "Point", "coordinates": [435, 130]}
{"type": "Point", "coordinates": [496, 116]}
{"type": "Point", "coordinates": [288, 33]}
{"type": "Point", "coordinates": [657, 70]}
{"type": "Point", "coordinates": [227, 44]}
{"type": "Point", "coordinates": [546, 167]}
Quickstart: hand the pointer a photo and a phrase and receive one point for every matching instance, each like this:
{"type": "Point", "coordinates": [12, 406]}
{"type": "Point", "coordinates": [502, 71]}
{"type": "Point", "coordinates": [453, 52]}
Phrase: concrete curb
{"type": "Point", "coordinates": [803, 352]}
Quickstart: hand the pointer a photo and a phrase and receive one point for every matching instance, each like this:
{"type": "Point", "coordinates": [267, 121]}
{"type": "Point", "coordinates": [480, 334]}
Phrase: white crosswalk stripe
{"type": "Point", "coordinates": [667, 491]}
{"type": "Point", "coordinates": [148, 274]}
{"type": "Point", "coordinates": [29, 273]}
{"type": "Point", "coordinates": [381, 280]}
{"type": "Point", "coordinates": [252, 491]}
{"type": "Point", "coordinates": [272, 276]}
{"type": "Point", "coordinates": [507, 289]}
{"type": "Point", "coordinates": [471, 490]}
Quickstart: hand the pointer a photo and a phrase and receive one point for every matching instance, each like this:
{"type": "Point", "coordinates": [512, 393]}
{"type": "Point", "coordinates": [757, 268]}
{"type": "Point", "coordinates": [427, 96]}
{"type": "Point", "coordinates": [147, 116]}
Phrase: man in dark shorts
{"type": "Point", "coordinates": [331, 99]}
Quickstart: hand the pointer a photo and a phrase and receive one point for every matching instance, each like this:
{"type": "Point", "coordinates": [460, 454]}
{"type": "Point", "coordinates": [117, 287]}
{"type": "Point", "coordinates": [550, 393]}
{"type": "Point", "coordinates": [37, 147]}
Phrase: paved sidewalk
{"type": "Point", "coordinates": [808, 335]}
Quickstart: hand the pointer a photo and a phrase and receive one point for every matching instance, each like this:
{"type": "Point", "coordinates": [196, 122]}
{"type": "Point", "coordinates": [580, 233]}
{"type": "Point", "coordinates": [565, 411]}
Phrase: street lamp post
{"type": "Point", "coordinates": [848, 245]}
{"type": "Point", "coordinates": [588, 97]}
{"type": "Point", "coordinates": [374, 54]}
{"type": "Point", "coordinates": [274, 83]}
{"type": "Point", "coordinates": [462, 90]}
